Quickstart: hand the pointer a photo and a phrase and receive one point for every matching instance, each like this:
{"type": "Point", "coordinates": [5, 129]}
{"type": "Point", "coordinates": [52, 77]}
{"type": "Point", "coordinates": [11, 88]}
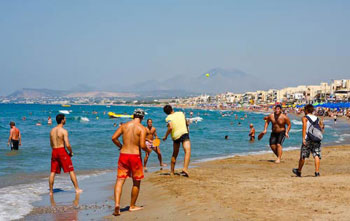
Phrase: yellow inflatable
{"type": "Point", "coordinates": [114, 115]}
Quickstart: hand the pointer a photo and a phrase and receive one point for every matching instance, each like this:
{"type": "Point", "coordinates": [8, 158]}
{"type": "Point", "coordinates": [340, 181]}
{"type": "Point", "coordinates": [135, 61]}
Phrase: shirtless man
{"type": "Point", "coordinates": [252, 132]}
{"type": "Point", "coordinates": [279, 132]}
{"type": "Point", "coordinates": [130, 162]}
{"type": "Point", "coordinates": [151, 132]}
{"type": "Point", "coordinates": [15, 137]}
{"type": "Point", "coordinates": [60, 159]}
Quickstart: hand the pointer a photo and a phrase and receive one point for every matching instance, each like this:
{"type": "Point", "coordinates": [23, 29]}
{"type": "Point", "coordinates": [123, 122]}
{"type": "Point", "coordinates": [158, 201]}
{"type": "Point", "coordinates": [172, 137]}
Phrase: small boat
{"type": "Point", "coordinates": [64, 112]}
{"type": "Point", "coordinates": [114, 115]}
{"type": "Point", "coordinates": [66, 105]}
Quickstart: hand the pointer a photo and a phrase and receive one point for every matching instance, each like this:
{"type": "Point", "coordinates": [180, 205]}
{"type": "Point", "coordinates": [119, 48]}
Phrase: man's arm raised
{"type": "Point", "coordinates": [115, 137]}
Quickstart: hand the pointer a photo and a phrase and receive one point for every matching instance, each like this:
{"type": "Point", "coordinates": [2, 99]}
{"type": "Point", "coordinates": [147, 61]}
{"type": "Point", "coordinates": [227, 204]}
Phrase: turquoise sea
{"type": "Point", "coordinates": [23, 174]}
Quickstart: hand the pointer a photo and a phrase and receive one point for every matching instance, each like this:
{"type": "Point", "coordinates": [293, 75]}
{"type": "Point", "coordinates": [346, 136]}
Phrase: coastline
{"type": "Point", "coordinates": [240, 188]}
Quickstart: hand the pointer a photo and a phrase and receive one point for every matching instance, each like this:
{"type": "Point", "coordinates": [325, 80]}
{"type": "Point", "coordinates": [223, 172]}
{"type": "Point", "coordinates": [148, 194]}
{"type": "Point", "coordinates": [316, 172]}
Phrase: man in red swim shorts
{"type": "Point", "coordinates": [60, 159]}
{"type": "Point", "coordinates": [130, 162]}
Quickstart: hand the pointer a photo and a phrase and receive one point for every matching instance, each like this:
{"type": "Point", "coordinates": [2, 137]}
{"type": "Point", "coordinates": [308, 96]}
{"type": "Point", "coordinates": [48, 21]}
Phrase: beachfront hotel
{"type": "Point", "coordinates": [337, 91]}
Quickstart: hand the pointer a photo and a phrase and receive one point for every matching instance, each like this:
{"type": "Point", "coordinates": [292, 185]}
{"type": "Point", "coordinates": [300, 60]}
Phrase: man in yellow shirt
{"type": "Point", "coordinates": [177, 126]}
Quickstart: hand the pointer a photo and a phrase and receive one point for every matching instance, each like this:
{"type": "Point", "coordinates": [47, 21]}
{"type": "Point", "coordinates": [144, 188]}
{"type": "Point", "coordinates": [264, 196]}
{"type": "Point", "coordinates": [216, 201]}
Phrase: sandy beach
{"type": "Point", "coordinates": [240, 188]}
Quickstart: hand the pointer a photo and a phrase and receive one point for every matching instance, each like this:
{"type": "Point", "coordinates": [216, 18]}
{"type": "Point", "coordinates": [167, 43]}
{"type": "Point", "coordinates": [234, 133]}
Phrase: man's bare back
{"type": "Point", "coordinates": [57, 137]}
{"type": "Point", "coordinates": [134, 136]}
{"type": "Point", "coordinates": [14, 133]}
{"type": "Point", "coordinates": [279, 122]}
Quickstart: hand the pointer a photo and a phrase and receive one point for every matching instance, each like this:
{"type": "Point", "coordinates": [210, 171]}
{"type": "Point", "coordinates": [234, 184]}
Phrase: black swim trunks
{"type": "Point", "coordinates": [277, 138]}
{"type": "Point", "coordinates": [183, 138]}
{"type": "Point", "coordinates": [311, 146]}
{"type": "Point", "coordinates": [14, 144]}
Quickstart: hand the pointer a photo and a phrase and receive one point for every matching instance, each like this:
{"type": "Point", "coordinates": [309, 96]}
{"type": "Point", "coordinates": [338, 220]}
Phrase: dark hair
{"type": "Point", "coordinates": [309, 108]}
{"type": "Point", "coordinates": [167, 109]}
{"type": "Point", "coordinates": [278, 105]}
{"type": "Point", "coordinates": [138, 116]}
{"type": "Point", "coordinates": [149, 119]}
{"type": "Point", "coordinates": [59, 118]}
{"type": "Point", "coordinates": [12, 123]}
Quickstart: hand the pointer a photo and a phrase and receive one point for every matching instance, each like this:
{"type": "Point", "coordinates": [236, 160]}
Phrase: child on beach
{"type": "Point", "coordinates": [312, 136]}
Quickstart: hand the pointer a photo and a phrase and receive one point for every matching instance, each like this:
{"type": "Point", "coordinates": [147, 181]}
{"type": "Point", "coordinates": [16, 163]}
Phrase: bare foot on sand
{"type": "Point", "coordinates": [163, 165]}
{"type": "Point", "coordinates": [116, 211]}
{"type": "Point", "coordinates": [135, 208]}
{"type": "Point", "coordinates": [78, 190]}
{"type": "Point", "coordinates": [278, 161]}
{"type": "Point", "coordinates": [184, 173]}
{"type": "Point", "coordinates": [145, 169]}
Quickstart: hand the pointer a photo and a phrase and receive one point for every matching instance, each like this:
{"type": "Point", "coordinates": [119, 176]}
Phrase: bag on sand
{"type": "Point", "coordinates": [315, 132]}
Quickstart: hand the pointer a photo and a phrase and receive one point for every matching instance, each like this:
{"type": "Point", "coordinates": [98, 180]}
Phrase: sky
{"type": "Point", "coordinates": [105, 44]}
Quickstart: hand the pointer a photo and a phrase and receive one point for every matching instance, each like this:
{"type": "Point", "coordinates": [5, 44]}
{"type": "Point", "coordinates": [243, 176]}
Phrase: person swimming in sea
{"type": "Point", "coordinates": [252, 133]}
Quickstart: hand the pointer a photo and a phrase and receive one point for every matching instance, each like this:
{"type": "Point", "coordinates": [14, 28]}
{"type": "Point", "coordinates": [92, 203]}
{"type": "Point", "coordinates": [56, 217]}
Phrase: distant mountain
{"type": "Point", "coordinates": [36, 93]}
{"type": "Point", "coordinates": [213, 81]}
{"type": "Point", "coordinates": [219, 80]}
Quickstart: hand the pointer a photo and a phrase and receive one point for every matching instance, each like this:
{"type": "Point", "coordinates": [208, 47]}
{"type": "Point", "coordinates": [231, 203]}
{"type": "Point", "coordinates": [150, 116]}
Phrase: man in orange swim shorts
{"type": "Point", "coordinates": [60, 159]}
{"type": "Point", "coordinates": [130, 162]}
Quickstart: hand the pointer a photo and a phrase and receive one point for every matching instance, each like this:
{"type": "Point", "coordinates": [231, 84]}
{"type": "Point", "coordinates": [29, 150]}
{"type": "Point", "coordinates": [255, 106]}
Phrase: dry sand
{"type": "Point", "coordinates": [252, 188]}
{"type": "Point", "coordinates": [244, 188]}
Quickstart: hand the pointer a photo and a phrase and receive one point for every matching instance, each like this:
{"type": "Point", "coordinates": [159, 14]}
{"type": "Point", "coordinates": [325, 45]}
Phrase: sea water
{"type": "Point", "coordinates": [23, 174]}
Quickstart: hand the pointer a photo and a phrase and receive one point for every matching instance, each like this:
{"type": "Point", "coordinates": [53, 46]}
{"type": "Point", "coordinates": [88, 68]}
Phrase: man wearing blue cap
{"type": "Point", "coordinates": [279, 131]}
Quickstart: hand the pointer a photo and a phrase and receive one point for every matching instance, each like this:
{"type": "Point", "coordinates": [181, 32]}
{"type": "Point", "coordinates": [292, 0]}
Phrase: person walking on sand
{"type": "Point", "coordinates": [279, 131]}
{"type": "Point", "coordinates": [178, 127]}
{"type": "Point", "coordinates": [60, 159]}
{"type": "Point", "coordinates": [252, 133]}
{"type": "Point", "coordinates": [15, 139]}
{"type": "Point", "coordinates": [312, 136]}
{"type": "Point", "coordinates": [151, 133]}
{"type": "Point", "coordinates": [130, 162]}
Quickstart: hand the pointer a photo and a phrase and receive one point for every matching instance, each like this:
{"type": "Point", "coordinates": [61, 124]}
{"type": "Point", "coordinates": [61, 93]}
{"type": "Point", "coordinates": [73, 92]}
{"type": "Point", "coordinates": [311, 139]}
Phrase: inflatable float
{"type": "Point", "coordinates": [114, 115]}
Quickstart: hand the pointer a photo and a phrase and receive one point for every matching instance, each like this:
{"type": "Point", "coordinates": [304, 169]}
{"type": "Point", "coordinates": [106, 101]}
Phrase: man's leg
{"type": "Point", "coordinates": [274, 149]}
{"type": "Point", "coordinates": [187, 148]}
{"type": "Point", "coordinates": [117, 195]}
{"type": "Point", "coordinates": [317, 164]}
{"type": "Point", "coordinates": [145, 161]}
{"type": "Point", "coordinates": [134, 194]}
{"type": "Point", "coordinates": [176, 147]}
{"type": "Point", "coordinates": [73, 177]}
{"type": "Point", "coordinates": [279, 153]}
{"type": "Point", "coordinates": [157, 150]}
{"type": "Point", "coordinates": [301, 164]}
{"type": "Point", "coordinates": [51, 182]}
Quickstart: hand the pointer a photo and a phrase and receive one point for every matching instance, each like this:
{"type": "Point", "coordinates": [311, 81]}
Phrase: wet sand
{"type": "Point", "coordinates": [239, 188]}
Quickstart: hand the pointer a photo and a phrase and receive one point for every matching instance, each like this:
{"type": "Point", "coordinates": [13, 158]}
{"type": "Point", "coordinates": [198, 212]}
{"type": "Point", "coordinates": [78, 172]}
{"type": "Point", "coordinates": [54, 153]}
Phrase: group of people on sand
{"type": "Point", "coordinates": [135, 137]}
{"type": "Point", "coordinates": [312, 131]}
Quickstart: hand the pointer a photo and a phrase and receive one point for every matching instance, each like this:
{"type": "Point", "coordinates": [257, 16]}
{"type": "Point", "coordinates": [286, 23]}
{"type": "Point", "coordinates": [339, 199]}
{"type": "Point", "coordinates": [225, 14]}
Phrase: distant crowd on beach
{"type": "Point", "coordinates": [136, 137]}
